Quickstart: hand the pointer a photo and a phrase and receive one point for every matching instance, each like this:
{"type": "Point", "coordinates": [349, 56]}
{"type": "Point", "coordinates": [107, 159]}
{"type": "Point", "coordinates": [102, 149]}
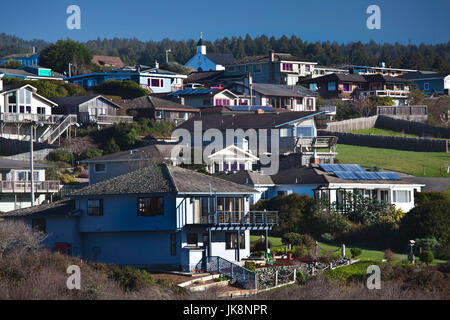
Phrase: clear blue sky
{"type": "Point", "coordinates": [414, 21]}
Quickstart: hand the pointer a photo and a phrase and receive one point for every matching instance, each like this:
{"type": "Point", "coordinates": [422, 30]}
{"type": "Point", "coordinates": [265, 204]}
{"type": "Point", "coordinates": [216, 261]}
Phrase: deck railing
{"type": "Point", "coordinates": [25, 186]}
{"type": "Point", "coordinates": [243, 276]}
{"type": "Point", "coordinates": [28, 117]}
{"type": "Point", "coordinates": [234, 218]}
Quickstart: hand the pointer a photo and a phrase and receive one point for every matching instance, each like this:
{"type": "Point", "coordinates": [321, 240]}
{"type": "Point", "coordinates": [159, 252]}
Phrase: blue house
{"type": "Point", "coordinates": [25, 59]}
{"type": "Point", "coordinates": [430, 82]}
{"type": "Point", "coordinates": [155, 79]}
{"type": "Point", "coordinates": [203, 61]}
{"type": "Point", "coordinates": [161, 217]}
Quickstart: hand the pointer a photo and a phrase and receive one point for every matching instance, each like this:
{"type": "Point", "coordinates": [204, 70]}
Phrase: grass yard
{"type": "Point", "coordinates": [421, 164]}
{"type": "Point", "coordinates": [384, 132]}
{"type": "Point", "coordinates": [367, 254]}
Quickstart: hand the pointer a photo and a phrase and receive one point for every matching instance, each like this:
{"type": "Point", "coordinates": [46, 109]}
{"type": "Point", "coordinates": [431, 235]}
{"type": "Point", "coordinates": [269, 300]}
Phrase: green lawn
{"type": "Point", "coordinates": [367, 254]}
{"type": "Point", "coordinates": [384, 132]}
{"type": "Point", "coordinates": [421, 164]}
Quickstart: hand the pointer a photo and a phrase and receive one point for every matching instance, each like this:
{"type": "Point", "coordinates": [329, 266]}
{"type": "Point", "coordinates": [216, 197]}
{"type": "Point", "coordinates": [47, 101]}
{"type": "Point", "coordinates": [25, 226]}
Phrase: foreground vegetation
{"type": "Point", "coordinates": [421, 164]}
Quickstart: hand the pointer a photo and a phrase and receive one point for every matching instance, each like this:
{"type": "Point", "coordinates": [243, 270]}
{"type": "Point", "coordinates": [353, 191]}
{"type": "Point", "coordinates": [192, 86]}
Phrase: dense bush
{"type": "Point", "coordinates": [430, 244]}
{"type": "Point", "coordinates": [15, 235]}
{"type": "Point", "coordinates": [356, 252]}
{"type": "Point", "coordinates": [112, 146]}
{"type": "Point", "coordinates": [389, 255]}
{"type": "Point", "coordinates": [125, 89]}
{"type": "Point", "coordinates": [250, 266]}
{"type": "Point", "coordinates": [91, 153]}
{"type": "Point", "coordinates": [60, 155]}
{"type": "Point", "coordinates": [426, 256]}
{"type": "Point", "coordinates": [292, 238]}
{"type": "Point", "coordinates": [260, 245]}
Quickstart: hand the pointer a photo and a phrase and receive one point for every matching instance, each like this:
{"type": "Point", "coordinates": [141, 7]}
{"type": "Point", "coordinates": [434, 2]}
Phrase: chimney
{"type": "Point", "coordinates": [315, 158]}
{"type": "Point", "coordinates": [271, 55]}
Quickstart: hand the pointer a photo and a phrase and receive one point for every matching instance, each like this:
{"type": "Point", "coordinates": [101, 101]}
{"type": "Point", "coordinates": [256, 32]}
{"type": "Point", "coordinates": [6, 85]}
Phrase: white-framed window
{"type": "Point", "coordinates": [401, 196]}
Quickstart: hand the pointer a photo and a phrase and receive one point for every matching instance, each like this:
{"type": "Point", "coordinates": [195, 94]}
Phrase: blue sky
{"type": "Point", "coordinates": [405, 21]}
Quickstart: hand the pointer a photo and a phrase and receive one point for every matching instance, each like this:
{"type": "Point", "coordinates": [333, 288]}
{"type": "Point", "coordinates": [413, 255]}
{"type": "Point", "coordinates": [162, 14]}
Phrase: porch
{"type": "Point", "coordinates": [25, 186]}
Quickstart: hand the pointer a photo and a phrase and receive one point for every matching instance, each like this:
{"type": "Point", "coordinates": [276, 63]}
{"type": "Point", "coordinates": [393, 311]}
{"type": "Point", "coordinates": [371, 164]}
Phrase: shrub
{"type": "Point", "coordinates": [125, 89]}
{"type": "Point", "coordinates": [60, 155]}
{"type": "Point", "coordinates": [260, 245]}
{"type": "Point", "coordinates": [250, 266]}
{"type": "Point", "coordinates": [389, 255]}
{"type": "Point", "coordinates": [292, 238]}
{"type": "Point", "coordinates": [300, 251]}
{"type": "Point", "coordinates": [356, 252]}
{"type": "Point", "coordinates": [327, 256]}
{"type": "Point", "coordinates": [326, 237]}
{"type": "Point", "coordinates": [83, 174]}
{"type": "Point", "coordinates": [112, 146]}
{"type": "Point", "coordinates": [301, 277]}
{"type": "Point", "coordinates": [16, 235]}
{"type": "Point", "coordinates": [68, 179]}
{"type": "Point", "coordinates": [427, 256]}
{"type": "Point", "coordinates": [91, 153]}
{"type": "Point", "coordinates": [430, 244]}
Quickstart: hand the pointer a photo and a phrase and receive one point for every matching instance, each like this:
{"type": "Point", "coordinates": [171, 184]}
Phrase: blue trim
{"type": "Point", "coordinates": [302, 118]}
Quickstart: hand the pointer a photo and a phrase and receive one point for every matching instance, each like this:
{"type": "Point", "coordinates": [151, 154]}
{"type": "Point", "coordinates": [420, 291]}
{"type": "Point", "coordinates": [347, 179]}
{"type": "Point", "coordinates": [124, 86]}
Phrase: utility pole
{"type": "Point", "coordinates": [167, 55]}
{"type": "Point", "coordinates": [70, 70]}
{"type": "Point", "coordinates": [31, 164]}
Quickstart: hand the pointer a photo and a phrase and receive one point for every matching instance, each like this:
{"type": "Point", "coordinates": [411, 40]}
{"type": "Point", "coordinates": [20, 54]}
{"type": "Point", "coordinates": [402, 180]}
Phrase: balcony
{"type": "Point", "coordinates": [384, 93]}
{"type": "Point", "coordinates": [103, 119]}
{"type": "Point", "coordinates": [252, 220]}
{"type": "Point", "coordinates": [25, 186]}
{"type": "Point", "coordinates": [28, 117]}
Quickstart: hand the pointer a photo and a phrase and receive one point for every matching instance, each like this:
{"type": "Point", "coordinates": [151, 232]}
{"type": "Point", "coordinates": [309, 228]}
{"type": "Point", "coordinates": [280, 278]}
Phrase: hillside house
{"type": "Point", "coordinates": [158, 217]}
{"type": "Point", "coordinates": [15, 184]}
{"type": "Point", "coordinates": [90, 110]}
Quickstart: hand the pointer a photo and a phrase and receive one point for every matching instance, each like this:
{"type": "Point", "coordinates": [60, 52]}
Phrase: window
{"type": "Point", "coordinates": [38, 225]}
{"type": "Point", "coordinates": [360, 86]}
{"type": "Point", "coordinates": [156, 82]}
{"type": "Point", "coordinates": [384, 196]}
{"type": "Point", "coordinates": [256, 68]}
{"type": "Point", "coordinates": [152, 206]}
{"type": "Point", "coordinates": [307, 68]}
{"type": "Point", "coordinates": [173, 244]}
{"type": "Point", "coordinates": [305, 131]}
{"type": "Point", "coordinates": [313, 86]}
{"type": "Point", "coordinates": [331, 86]}
{"type": "Point", "coordinates": [426, 86]}
{"type": "Point", "coordinates": [346, 87]}
{"type": "Point", "coordinates": [231, 240]}
{"type": "Point", "coordinates": [91, 83]}
{"type": "Point", "coordinates": [192, 239]}
{"type": "Point", "coordinates": [95, 207]}
{"type": "Point", "coordinates": [285, 132]}
{"type": "Point", "coordinates": [287, 66]}
{"type": "Point", "coordinates": [100, 167]}
{"type": "Point", "coordinates": [40, 110]}
{"type": "Point", "coordinates": [402, 196]}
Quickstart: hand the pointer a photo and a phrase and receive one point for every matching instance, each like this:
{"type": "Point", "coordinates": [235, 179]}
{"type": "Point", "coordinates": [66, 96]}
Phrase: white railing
{"type": "Point", "coordinates": [105, 119]}
{"type": "Point", "coordinates": [385, 93]}
{"type": "Point", "coordinates": [25, 186]}
{"type": "Point", "coordinates": [53, 134]}
{"type": "Point", "coordinates": [28, 117]}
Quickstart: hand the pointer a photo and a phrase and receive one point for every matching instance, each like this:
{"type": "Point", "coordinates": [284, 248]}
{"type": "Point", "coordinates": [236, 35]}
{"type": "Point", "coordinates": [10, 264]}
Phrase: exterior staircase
{"type": "Point", "coordinates": [56, 130]}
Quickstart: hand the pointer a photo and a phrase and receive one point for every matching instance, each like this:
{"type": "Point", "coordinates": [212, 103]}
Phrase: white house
{"type": "Point", "coordinates": [203, 61]}
{"type": "Point", "coordinates": [15, 184]}
{"type": "Point", "coordinates": [231, 158]}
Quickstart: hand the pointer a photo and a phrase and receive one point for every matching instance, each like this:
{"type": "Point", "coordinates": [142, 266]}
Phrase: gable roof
{"type": "Point", "coordinates": [162, 178]}
{"type": "Point", "coordinates": [350, 77]}
{"type": "Point", "coordinates": [14, 164]}
{"type": "Point", "coordinates": [200, 76]}
{"type": "Point", "coordinates": [246, 120]}
{"type": "Point", "coordinates": [232, 150]}
{"type": "Point", "coordinates": [423, 75]}
{"type": "Point", "coordinates": [108, 60]}
{"type": "Point", "coordinates": [158, 104]}
{"type": "Point", "coordinates": [75, 101]}
{"type": "Point", "coordinates": [247, 178]}
{"type": "Point", "coordinates": [57, 208]}
{"type": "Point", "coordinates": [153, 151]}
{"type": "Point", "coordinates": [221, 58]}
{"type": "Point", "coordinates": [284, 90]}
{"type": "Point", "coordinates": [266, 58]}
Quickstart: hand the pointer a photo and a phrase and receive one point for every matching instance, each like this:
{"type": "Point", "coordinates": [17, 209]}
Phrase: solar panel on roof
{"type": "Point", "coordinates": [346, 175]}
{"type": "Point", "coordinates": [388, 176]}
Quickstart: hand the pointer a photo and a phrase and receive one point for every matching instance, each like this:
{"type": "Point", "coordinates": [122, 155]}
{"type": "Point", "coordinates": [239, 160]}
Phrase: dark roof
{"type": "Point", "coordinates": [221, 58]}
{"type": "Point", "coordinates": [153, 151]}
{"type": "Point", "coordinates": [157, 104]}
{"type": "Point", "coordinates": [284, 90]}
{"type": "Point", "coordinates": [203, 76]}
{"type": "Point", "coordinates": [162, 179]}
{"type": "Point", "coordinates": [11, 87]}
{"type": "Point", "coordinates": [14, 164]}
{"type": "Point", "coordinates": [75, 101]}
{"type": "Point", "coordinates": [423, 75]}
{"type": "Point", "coordinates": [314, 175]}
{"type": "Point", "coordinates": [58, 208]}
{"type": "Point", "coordinates": [247, 177]}
{"type": "Point", "coordinates": [245, 120]}
{"type": "Point", "coordinates": [342, 77]}
{"type": "Point", "coordinates": [266, 58]}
